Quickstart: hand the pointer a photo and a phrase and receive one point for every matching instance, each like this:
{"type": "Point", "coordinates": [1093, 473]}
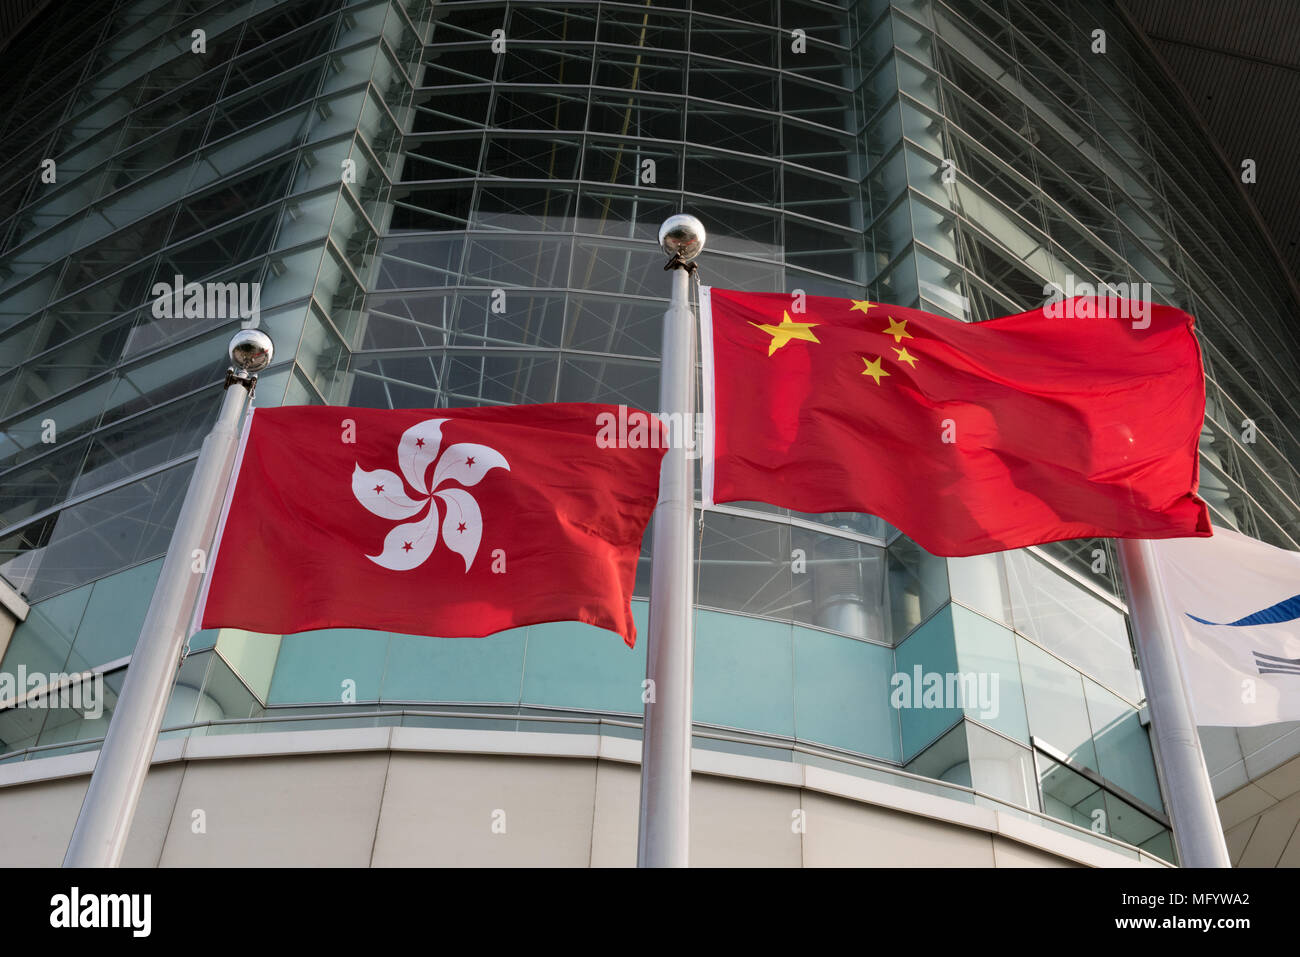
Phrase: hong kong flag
{"type": "Point", "coordinates": [1074, 420]}
{"type": "Point", "coordinates": [449, 522]}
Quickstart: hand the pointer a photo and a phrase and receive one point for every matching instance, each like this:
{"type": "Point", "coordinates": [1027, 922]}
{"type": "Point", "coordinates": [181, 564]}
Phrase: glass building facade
{"type": "Point", "coordinates": [456, 204]}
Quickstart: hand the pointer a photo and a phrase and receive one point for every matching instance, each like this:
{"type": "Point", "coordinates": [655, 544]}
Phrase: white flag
{"type": "Point", "coordinates": [1234, 606]}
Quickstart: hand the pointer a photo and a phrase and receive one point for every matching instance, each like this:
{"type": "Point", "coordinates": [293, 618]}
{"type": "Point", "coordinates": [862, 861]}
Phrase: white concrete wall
{"type": "Point", "coordinates": [425, 797]}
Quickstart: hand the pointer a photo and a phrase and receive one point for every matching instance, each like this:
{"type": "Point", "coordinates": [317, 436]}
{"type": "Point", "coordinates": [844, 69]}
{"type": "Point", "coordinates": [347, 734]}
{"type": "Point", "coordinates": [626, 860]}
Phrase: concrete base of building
{"type": "Point", "coordinates": [398, 796]}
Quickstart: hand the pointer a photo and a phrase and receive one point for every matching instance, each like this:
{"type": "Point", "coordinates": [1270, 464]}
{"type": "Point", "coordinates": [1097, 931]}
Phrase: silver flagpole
{"type": "Point", "coordinates": [106, 814]}
{"type": "Point", "coordinates": [1198, 832]}
{"type": "Point", "coordinates": [664, 832]}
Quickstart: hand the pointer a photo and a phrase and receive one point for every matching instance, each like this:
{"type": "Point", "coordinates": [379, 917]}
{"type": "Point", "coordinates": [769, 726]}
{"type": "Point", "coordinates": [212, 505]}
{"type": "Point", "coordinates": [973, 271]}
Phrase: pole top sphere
{"type": "Point", "coordinates": [251, 351]}
{"type": "Point", "coordinates": [682, 235]}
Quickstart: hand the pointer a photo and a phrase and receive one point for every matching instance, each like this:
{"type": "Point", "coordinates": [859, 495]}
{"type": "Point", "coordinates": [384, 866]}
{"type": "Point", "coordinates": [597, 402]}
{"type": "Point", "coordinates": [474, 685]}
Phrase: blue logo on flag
{"type": "Point", "coordinates": [1286, 610]}
{"type": "Point", "coordinates": [1273, 665]}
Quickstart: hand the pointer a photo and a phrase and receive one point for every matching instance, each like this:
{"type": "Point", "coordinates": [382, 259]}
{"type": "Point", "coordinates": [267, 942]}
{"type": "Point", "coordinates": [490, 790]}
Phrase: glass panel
{"type": "Point", "coordinates": [1072, 622]}
{"type": "Point", "coordinates": [507, 380]}
{"type": "Point", "coordinates": [80, 710]}
{"type": "Point", "coordinates": [40, 485]}
{"type": "Point", "coordinates": [250, 656]}
{"type": "Point", "coordinates": [508, 317]}
{"type": "Point", "coordinates": [1127, 823]}
{"type": "Point", "coordinates": [456, 669]}
{"type": "Point", "coordinates": [648, 117]}
{"type": "Point", "coordinates": [634, 70]}
{"type": "Point", "coordinates": [611, 210]}
{"type": "Point", "coordinates": [110, 627]}
{"type": "Point", "coordinates": [839, 583]}
{"type": "Point", "coordinates": [745, 565]}
{"type": "Point", "coordinates": [922, 665]}
{"type": "Point", "coordinates": [1123, 747]}
{"type": "Point", "coordinates": [948, 759]}
{"type": "Point", "coordinates": [1072, 797]}
{"type": "Point", "coordinates": [839, 694]}
{"type": "Point", "coordinates": [725, 127]}
{"type": "Point", "coordinates": [1055, 704]}
{"type": "Point", "coordinates": [615, 381]}
{"type": "Point", "coordinates": [144, 441]}
{"type": "Point", "coordinates": [576, 666]}
{"type": "Point", "coordinates": [918, 584]}
{"type": "Point", "coordinates": [744, 673]}
{"type": "Point", "coordinates": [525, 208]}
{"type": "Point", "coordinates": [43, 640]}
{"type": "Point", "coordinates": [321, 666]}
{"type": "Point", "coordinates": [515, 157]}
{"type": "Point", "coordinates": [990, 672]}
{"type": "Point", "coordinates": [978, 581]}
{"type": "Point", "coordinates": [410, 321]}
{"type": "Point", "coordinates": [517, 261]}
{"type": "Point", "coordinates": [619, 326]}
{"type": "Point", "coordinates": [231, 695]}
{"type": "Point", "coordinates": [1000, 768]}
{"type": "Point", "coordinates": [109, 532]}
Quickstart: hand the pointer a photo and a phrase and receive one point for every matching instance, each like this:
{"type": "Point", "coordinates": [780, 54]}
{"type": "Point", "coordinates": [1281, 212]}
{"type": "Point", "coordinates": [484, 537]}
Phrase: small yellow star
{"type": "Point", "coordinates": [862, 305]}
{"type": "Point", "coordinates": [905, 356]}
{"type": "Point", "coordinates": [874, 370]}
{"type": "Point", "coordinates": [898, 329]}
{"type": "Point", "coordinates": [787, 330]}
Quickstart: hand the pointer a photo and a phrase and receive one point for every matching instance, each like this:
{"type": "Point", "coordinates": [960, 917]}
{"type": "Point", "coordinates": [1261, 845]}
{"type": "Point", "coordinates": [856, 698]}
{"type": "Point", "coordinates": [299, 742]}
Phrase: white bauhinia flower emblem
{"type": "Point", "coordinates": [382, 492]}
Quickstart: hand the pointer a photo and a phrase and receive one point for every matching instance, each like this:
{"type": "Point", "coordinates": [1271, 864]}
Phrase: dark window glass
{"type": "Point", "coordinates": [527, 110]}
{"type": "Point", "coordinates": [525, 208]}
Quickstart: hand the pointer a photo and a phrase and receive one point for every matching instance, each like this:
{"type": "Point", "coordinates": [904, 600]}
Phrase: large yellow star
{"type": "Point", "coordinates": [862, 305]}
{"type": "Point", "coordinates": [874, 370]}
{"type": "Point", "coordinates": [898, 329]}
{"type": "Point", "coordinates": [905, 356]}
{"type": "Point", "coordinates": [787, 330]}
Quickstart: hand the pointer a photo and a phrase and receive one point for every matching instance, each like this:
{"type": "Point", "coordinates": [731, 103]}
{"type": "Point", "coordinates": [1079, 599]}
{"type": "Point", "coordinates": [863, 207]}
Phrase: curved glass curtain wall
{"type": "Point", "coordinates": [221, 165]}
{"type": "Point", "coordinates": [536, 179]}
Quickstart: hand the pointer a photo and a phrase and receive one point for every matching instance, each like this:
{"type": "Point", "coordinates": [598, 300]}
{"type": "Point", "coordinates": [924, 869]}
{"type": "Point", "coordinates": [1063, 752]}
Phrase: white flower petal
{"type": "Point", "coordinates": [382, 493]}
{"type": "Point", "coordinates": [462, 529]}
{"type": "Point", "coordinates": [407, 546]}
{"type": "Point", "coordinates": [417, 448]}
{"type": "Point", "coordinates": [466, 463]}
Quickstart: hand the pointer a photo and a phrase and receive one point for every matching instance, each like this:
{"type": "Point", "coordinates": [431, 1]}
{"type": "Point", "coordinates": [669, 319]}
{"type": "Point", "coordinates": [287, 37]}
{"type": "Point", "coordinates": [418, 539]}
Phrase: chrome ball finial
{"type": "Point", "coordinates": [683, 236]}
{"type": "Point", "coordinates": [250, 351]}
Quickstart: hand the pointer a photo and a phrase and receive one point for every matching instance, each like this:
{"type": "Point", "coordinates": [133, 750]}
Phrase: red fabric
{"type": "Point", "coordinates": [1063, 427]}
{"type": "Point", "coordinates": [560, 518]}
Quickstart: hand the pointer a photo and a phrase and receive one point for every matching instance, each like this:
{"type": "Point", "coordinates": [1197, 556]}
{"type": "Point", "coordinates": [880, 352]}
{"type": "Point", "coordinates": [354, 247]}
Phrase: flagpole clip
{"type": "Point", "coordinates": [249, 382]}
{"type": "Point", "coordinates": [677, 262]}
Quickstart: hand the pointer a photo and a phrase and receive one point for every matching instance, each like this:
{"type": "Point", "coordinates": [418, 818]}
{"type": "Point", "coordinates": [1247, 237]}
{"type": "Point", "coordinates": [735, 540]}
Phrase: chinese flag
{"type": "Point", "coordinates": [1074, 420]}
{"type": "Point", "coordinates": [451, 522]}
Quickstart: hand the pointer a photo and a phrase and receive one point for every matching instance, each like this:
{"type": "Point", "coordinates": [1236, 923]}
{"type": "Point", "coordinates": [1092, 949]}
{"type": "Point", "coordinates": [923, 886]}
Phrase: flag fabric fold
{"type": "Point", "coordinates": [1234, 608]}
{"type": "Point", "coordinates": [447, 522]}
{"type": "Point", "coordinates": [968, 437]}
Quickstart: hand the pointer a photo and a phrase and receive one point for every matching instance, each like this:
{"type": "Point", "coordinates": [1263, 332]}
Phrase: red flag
{"type": "Point", "coordinates": [969, 438]}
{"type": "Point", "coordinates": [452, 522]}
